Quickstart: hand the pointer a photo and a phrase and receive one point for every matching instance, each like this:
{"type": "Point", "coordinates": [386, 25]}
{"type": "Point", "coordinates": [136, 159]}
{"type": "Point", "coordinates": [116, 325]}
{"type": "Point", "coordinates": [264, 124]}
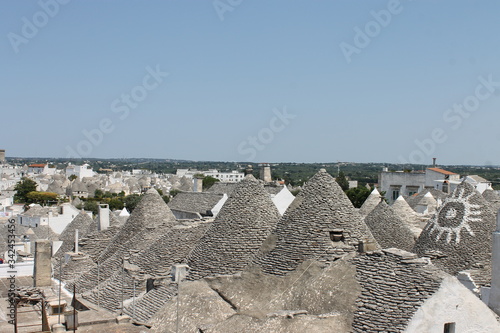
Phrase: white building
{"type": "Point", "coordinates": [408, 183]}
{"type": "Point", "coordinates": [479, 183]}
{"type": "Point", "coordinates": [10, 170]}
{"type": "Point", "coordinates": [81, 171]}
{"type": "Point", "coordinates": [226, 177]}
{"type": "Point", "coordinates": [57, 218]}
{"type": "Point", "coordinates": [38, 169]}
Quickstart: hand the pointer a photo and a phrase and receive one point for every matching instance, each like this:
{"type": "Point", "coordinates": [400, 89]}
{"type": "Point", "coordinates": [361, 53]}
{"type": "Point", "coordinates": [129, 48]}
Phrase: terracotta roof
{"type": "Point", "coordinates": [444, 172]}
{"type": "Point", "coordinates": [37, 165]}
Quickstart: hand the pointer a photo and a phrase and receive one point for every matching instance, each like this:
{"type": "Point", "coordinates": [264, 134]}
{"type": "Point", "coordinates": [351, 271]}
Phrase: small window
{"type": "Point", "coordinates": [337, 235]}
{"type": "Point", "coordinates": [395, 194]}
{"type": "Point", "coordinates": [449, 328]}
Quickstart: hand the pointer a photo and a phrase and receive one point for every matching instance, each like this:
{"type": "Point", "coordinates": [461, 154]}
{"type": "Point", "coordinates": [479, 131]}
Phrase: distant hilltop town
{"type": "Point", "coordinates": [246, 251]}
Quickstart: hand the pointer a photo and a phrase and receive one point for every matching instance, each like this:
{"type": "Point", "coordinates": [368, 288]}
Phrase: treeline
{"type": "Point", "coordinates": [293, 173]}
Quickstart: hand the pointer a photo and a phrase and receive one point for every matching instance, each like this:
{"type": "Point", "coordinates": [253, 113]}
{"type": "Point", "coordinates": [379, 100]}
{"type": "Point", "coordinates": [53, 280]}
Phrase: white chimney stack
{"type": "Point", "coordinates": [76, 240]}
{"type": "Point", "coordinates": [197, 184]}
{"type": "Point", "coordinates": [103, 217]}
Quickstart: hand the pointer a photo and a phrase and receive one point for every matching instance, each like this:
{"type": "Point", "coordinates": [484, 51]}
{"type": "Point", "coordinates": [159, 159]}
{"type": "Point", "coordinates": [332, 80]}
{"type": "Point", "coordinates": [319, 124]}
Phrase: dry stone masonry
{"type": "Point", "coordinates": [458, 236]}
{"type": "Point", "coordinates": [150, 212]}
{"type": "Point", "coordinates": [83, 223]}
{"type": "Point", "coordinates": [407, 214]}
{"type": "Point", "coordinates": [394, 284]}
{"type": "Point", "coordinates": [321, 223]}
{"type": "Point", "coordinates": [233, 240]}
{"type": "Point", "coordinates": [370, 203]}
{"type": "Point", "coordinates": [388, 229]}
{"type": "Point", "coordinates": [149, 221]}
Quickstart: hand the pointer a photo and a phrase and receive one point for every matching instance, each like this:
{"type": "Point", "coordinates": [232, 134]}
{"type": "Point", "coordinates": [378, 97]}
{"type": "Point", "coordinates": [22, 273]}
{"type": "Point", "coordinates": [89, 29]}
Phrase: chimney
{"type": "Point", "coordinates": [2, 156]}
{"type": "Point", "coordinates": [249, 170]}
{"type": "Point", "coordinates": [265, 173]}
{"type": "Point", "coordinates": [197, 184]}
{"type": "Point", "coordinates": [43, 266]}
{"type": "Point", "coordinates": [494, 299]}
{"type": "Point", "coordinates": [433, 162]}
{"type": "Point", "coordinates": [76, 240]}
{"type": "Point", "coordinates": [103, 217]}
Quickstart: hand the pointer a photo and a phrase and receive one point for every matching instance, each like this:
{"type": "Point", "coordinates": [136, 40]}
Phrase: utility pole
{"type": "Point", "coordinates": [60, 279]}
{"type": "Point", "coordinates": [98, 287]}
{"type": "Point", "coordinates": [178, 274]}
{"type": "Point", "coordinates": [133, 299]}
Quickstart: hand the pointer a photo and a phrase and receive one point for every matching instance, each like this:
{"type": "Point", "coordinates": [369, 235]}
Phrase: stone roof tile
{"type": "Point", "coordinates": [458, 236]}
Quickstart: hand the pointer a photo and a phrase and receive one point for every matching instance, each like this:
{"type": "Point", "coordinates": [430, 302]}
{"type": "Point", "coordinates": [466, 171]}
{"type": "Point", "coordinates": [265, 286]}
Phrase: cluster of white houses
{"type": "Point", "coordinates": [408, 183]}
{"type": "Point", "coordinates": [230, 177]}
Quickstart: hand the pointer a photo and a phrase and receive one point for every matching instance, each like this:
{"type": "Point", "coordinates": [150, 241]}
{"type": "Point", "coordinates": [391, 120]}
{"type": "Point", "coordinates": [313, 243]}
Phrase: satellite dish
{"type": "Point", "coordinates": [7, 258]}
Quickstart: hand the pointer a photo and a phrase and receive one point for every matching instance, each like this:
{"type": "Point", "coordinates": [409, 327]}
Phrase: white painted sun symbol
{"type": "Point", "coordinates": [454, 216]}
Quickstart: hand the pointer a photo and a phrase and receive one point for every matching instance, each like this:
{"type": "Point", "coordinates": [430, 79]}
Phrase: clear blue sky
{"type": "Point", "coordinates": [227, 79]}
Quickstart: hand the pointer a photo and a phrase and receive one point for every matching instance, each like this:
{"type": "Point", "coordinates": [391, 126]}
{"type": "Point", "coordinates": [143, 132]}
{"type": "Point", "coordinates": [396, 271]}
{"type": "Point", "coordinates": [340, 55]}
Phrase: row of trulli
{"type": "Point", "coordinates": [319, 263]}
{"type": "Point", "coordinates": [425, 205]}
{"type": "Point", "coordinates": [457, 237]}
{"type": "Point", "coordinates": [313, 274]}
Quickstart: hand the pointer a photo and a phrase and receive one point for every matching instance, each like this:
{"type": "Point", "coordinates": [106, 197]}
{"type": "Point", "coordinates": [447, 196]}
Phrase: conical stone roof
{"type": "Point", "coordinates": [389, 229]}
{"type": "Point", "coordinates": [56, 187]}
{"type": "Point", "coordinates": [233, 240]}
{"type": "Point", "coordinates": [407, 214]}
{"type": "Point", "coordinates": [402, 206]}
{"type": "Point", "coordinates": [458, 236]}
{"type": "Point", "coordinates": [151, 212]}
{"type": "Point", "coordinates": [427, 204]}
{"type": "Point", "coordinates": [490, 195]}
{"type": "Point", "coordinates": [493, 198]}
{"type": "Point", "coordinates": [83, 223]}
{"type": "Point", "coordinates": [428, 199]}
{"type": "Point", "coordinates": [370, 203]}
{"type": "Point", "coordinates": [78, 186]}
{"type": "Point", "coordinates": [415, 199]}
{"type": "Point", "coordinates": [319, 212]}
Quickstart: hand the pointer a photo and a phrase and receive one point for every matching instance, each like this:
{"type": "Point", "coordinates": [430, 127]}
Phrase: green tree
{"type": "Point", "coordinates": [174, 192]}
{"type": "Point", "coordinates": [91, 206]}
{"type": "Point", "coordinates": [72, 177]}
{"type": "Point", "coordinates": [115, 204]}
{"type": "Point", "coordinates": [166, 198]}
{"type": "Point", "coordinates": [41, 197]}
{"type": "Point", "coordinates": [98, 193]}
{"type": "Point", "coordinates": [208, 181]}
{"type": "Point", "coordinates": [23, 187]}
{"type": "Point", "coordinates": [358, 195]}
{"type": "Point", "coordinates": [131, 201]}
{"type": "Point", "coordinates": [342, 181]}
